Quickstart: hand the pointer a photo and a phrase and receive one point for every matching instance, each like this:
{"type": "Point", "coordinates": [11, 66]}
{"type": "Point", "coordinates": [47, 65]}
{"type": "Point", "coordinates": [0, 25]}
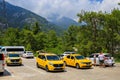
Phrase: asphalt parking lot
{"type": "Point", "coordinates": [29, 71]}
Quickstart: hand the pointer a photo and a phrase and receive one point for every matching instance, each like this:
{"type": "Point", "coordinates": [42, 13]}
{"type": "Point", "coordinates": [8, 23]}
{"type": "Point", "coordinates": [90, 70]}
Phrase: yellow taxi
{"type": "Point", "coordinates": [50, 62]}
{"type": "Point", "coordinates": [13, 59]}
{"type": "Point", "coordinates": [77, 61]}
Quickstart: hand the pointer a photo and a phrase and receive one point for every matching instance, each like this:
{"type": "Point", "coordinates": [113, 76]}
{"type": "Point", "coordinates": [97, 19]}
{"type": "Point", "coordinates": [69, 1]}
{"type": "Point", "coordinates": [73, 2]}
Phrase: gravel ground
{"type": "Point", "coordinates": [29, 71]}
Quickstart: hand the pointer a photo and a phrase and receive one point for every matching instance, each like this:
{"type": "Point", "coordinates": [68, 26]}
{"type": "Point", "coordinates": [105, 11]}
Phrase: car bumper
{"type": "Point", "coordinates": [14, 63]}
{"type": "Point", "coordinates": [29, 56]}
{"type": "Point", "coordinates": [52, 68]}
{"type": "Point", "coordinates": [109, 64]}
{"type": "Point", "coordinates": [85, 65]}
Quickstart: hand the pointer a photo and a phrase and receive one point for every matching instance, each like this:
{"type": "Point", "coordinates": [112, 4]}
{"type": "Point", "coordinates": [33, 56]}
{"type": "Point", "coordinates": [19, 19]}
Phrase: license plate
{"type": "Point", "coordinates": [58, 67]}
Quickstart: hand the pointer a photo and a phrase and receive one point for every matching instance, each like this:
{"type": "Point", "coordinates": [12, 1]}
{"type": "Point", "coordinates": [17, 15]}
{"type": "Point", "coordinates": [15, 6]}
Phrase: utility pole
{"type": "Point", "coordinates": [3, 15]}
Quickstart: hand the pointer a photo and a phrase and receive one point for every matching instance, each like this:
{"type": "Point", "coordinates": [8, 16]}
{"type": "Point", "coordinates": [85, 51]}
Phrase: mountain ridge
{"type": "Point", "coordinates": [19, 17]}
{"type": "Point", "coordinates": [62, 21]}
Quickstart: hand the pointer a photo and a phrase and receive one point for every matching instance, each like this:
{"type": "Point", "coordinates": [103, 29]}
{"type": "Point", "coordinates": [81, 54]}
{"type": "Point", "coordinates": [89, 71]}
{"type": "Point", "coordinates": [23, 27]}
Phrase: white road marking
{"type": "Point", "coordinates": [12, 75]}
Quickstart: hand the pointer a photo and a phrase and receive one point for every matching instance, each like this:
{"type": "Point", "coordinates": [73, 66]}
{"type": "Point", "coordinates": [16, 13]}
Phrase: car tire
{"type": "Point", "coordinates": [112, 65]}
{"type": "Point", "coordinates": [20, 64]}
{"type": "Point", "coordinates": [47, 69]}
{"type": "Point", "coordinates": [37, 65]}
{"type": "Point", "coordinates": [7, 64]}
{"type": "Point", "coordinates": [77, 66]}
{"type": "Point", "coordinates": [1, 73]}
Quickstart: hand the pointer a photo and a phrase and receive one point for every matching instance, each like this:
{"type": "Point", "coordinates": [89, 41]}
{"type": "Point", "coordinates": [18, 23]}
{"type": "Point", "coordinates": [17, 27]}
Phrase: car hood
{"type": "Point", "coordinates": [56, 62]}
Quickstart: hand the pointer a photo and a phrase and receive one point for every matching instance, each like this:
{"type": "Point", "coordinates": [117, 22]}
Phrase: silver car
{"type": "Point", "coordinates": [95, 60]}
{"type": "Point", "coordinates": [28, 54]}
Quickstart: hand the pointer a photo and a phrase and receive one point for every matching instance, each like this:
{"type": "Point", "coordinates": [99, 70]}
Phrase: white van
{"type": "Point", "coordinates": [9, 49]}
{"type": "Point", "coordinates": [2, 64]}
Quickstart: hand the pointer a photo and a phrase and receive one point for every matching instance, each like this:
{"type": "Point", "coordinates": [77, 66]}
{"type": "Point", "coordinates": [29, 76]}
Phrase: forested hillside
{"type": "Point", "coordinates": [101, 33]}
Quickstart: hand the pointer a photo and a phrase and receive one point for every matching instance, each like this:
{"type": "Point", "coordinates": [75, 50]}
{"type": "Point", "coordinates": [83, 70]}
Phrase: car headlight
{"type": "Point", "coordinates": [8, 59]}
{"type": "Point", "coordinates": [20, 59]}
{"type": "Point", "coordinates": [50, 63]}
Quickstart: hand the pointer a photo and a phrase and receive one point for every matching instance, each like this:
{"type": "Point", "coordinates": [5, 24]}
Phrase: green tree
{"type": "Point", "coordinates": [112, 29]}
{"type": "Point", "coordinates": [36, 28]}
{"type": "Point", "coordinates": [95, 23]}
{"type": "Point", "coordinates": [11, 37]}
{"type": "Point", "coordinates": [51, 40]}
{"type": "Point", "coordinates": [27, 39]}
{"type": "Point", "coordinates": [40, 41]}
{"type": "Point", "coordinates": [69, 38]}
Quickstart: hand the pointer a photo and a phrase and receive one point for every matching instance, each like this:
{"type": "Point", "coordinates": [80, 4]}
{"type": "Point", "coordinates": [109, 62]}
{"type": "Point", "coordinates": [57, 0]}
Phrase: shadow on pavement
{"type": "Point", "coordinates": [6, 73]}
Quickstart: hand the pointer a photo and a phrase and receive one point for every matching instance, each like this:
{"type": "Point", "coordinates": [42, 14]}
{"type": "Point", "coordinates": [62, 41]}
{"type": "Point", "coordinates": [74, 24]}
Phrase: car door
{"type": "Point", "coordinates": [97, 60]}
{"type": "Point", "coordinates": [72, 61]}
{"type": "Point", "coordinates": [68, 60]}
{"type": "Point", "coordinates": [91, 57]}
{"type": "Point", "coordinates": [39, 60]}
{"type": "Point", "coordinates": [43, 61]}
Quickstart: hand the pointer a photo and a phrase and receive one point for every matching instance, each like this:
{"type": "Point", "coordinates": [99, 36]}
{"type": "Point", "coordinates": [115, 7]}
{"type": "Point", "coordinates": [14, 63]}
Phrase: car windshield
{"type": "Point", "coordinates": [13, 55]}
{"type": "Point", "coordinates": [52, 57]}
{"type": "Point", "coordinates": [79, 57]}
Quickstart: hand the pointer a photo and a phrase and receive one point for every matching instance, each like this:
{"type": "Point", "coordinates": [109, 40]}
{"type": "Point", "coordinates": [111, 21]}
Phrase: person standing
{"type": "Point", "coordinates": [94, 59]}
{"type": "Point", "coordinates": [101, 59]}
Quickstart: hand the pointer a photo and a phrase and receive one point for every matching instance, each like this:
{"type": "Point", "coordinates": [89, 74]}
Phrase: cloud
{"type": "Point", "coordinates": [68, 8]}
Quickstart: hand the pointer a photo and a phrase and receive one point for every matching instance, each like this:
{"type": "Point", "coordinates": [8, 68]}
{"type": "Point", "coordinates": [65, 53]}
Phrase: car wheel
{"type": "Point", "coordinates": [77, 66]}
{"type": "Point", "coordinates": [7, 64]}
{"type": "Point", "coordinates": [47, 69]}
{"type": "Point", "coordinates": [1, 73]}
{"type": "Point", "coordinates": [112, 64]}
{"type": "Point", "coordinates": [37, 65]}
{"type": "Point", "coordinates": [65, 63]}
{"type": "Point", "coordinates": [20, 64]}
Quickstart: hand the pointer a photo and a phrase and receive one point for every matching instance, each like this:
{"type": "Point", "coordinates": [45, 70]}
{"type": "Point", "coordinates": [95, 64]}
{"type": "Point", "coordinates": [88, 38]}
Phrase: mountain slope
{"type": "Point", "coordinates": [63, 22]}
{"type": "Point", "coordinates": [19, 17]}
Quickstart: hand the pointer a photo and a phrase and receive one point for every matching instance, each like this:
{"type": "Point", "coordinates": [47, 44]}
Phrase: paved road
{"type": "Point", "coordinates": [28, 71]}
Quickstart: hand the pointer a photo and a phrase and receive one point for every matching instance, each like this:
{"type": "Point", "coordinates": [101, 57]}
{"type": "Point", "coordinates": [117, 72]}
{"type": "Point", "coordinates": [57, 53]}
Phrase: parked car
{"type": "Point", "coordinates": [13, 59]}
{"type": "Point", "coordinates": [28, 54]}
{"type": "Point", "coordinates": [95, 60]}
{"type": "Point", "coordinates": [50, 62]}
{"type": "Point", "coordinates": [67, 53]}
{"type": "Point", "coordinates": [2, 64]}
{"type": "Point", "coordinates": [60, 56]}
{"type": "Point", "coordinates": [77, 60]}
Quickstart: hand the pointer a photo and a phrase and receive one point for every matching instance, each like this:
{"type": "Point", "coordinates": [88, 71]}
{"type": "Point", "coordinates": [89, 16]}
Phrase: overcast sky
{"type": "Point", "coordinates": [68, 8]}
